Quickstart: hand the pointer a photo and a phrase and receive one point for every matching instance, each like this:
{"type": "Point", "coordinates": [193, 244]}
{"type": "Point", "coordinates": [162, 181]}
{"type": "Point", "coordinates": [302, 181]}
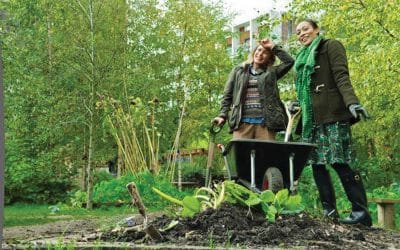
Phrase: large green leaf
{"type": "Point", "coordinates": [191, 206]}
{"type": "Point", "coordinates": [267, 196]}
{"type": "Point", "coordinates": [281, 197]}
{"type": "Point", "coordinates": [253, 200]}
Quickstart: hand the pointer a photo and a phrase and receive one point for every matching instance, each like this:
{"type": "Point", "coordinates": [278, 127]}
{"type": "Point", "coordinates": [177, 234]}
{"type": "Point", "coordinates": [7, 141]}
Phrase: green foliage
{"type": "Point", "coordinates": [28, 182]}
{"type": "Point", "coordinates": [192, 169]}
{"type": "Point", "coordinates": [229, 191]}
{"type": "Point", "coordinates": [282, 203]}
{"type": "Point", "coordinates": [391, 192]}
{"type": "Point", "coordinates": [190, 204]}
{"type": "Point", "coordinates": [310, 195]}
{"type": "Point", "coordinates": [78, 199]}
{"type": "Point", "coordinates": [114, 191]}
{"type": "Point", "coordinates": [137, 146]}
{"type": "Point", "coordinates": [59, 67]}
{"type": "Point", "coordinates": [48, 65]}
{"type": "Point", "coordinates": [308, 190]}
{"type": "Point", "coordinates": [202, 199]}
{"type": "Point", "coordinates": [272, 204]}
{"type": "Point", "coordinates": [180, 57]}
{"type": "Point", "coordinates": [100, 176]}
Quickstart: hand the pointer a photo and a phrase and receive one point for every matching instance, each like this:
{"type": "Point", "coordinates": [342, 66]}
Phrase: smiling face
{"type": "Point", "coordinates": [261, 57]}
{"type": "Point", "coordinates": [306, 32]}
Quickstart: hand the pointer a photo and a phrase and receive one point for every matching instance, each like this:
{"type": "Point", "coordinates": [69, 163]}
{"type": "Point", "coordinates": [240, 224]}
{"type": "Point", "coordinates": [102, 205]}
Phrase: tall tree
{"type": "Point", "coordinates": [64, 58]}
{"type": "Point", "coordinates": [182, 54]}
{"type": "Point", "coordinates": [98, 43]}
{"type": "Point", "coordinates": [59, 65]}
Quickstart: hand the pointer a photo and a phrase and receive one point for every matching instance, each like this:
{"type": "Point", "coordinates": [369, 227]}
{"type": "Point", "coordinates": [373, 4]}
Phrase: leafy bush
{"type": "Point", "coordinates": [35, 183]}
{"type": "Point", "coordinates": [190, 170]}
{"type": "Point", "coordinates": [100, 176]}
{"type": "Point", "coordinates": [309, 192]}
{"type": "Point", "coordinates": [78, 199]}
{"type": "Point", "coordinates": [115, 191]}
{"type": "Point", "coordinates": [391, 192]}
{"type": "Point", "coordinates": [196, 169]}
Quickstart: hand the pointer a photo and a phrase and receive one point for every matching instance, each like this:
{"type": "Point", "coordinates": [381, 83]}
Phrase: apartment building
{"type": "Point", "coordinates": [245, 33]}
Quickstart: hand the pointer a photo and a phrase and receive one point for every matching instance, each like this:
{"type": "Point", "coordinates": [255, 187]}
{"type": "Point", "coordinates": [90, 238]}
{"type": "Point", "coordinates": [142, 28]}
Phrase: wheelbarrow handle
{"type": "Point", "coordinates": [292, 117]}
{"type": "Point", "coordinates": [223, 151]}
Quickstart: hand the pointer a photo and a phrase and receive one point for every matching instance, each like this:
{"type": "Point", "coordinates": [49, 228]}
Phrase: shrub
{"type": "Point", "coordinates": [34, 183]}
{"type": "Point", "coordinates": [115, 191]}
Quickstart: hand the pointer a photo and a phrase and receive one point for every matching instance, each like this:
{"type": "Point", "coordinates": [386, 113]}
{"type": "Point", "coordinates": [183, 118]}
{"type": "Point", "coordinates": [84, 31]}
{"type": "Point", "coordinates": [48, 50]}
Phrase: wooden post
{"type": "Point", "coordinates": [386, 212]}
{"type": "Point", "coordinates": [179, 170]}
{"type": "Point", "coordinates": [386, 215]}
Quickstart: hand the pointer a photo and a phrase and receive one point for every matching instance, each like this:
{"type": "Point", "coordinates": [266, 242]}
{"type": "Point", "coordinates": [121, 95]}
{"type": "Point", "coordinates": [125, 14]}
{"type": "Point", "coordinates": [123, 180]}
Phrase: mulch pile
{"type": "Point", "coordinates": [237, 226]}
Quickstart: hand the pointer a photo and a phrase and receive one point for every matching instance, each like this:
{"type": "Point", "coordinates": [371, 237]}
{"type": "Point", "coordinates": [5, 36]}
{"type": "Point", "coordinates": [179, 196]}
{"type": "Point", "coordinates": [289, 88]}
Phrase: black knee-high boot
{"type": "Point", "coordinates": [326, 191]}
{"type": "Point", "coordinates": [355, 192]}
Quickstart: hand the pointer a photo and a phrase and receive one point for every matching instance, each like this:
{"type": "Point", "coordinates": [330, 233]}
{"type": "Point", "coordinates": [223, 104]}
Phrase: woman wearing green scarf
{"type": "Point", "coordinates": [329, 107]}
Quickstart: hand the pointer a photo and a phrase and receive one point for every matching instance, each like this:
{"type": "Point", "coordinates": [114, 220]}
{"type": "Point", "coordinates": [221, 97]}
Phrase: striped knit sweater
{"type": "Point", "coordinates": [252, 106]}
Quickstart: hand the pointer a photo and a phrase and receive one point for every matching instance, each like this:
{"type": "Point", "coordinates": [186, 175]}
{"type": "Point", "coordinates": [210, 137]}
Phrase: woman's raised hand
{"type": "Point", "coordinates": [267, 43]}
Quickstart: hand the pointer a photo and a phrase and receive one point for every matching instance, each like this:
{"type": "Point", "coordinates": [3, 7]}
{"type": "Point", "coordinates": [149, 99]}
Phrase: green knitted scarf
{"type": "Point", "coordinates": [304, 67]}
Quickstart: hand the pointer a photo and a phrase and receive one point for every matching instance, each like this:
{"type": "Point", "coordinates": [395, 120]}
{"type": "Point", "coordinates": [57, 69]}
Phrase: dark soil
{"type": "Point", "coordinates": [228, 227]}
{"type": "Point", "coordinates": [235, 226]}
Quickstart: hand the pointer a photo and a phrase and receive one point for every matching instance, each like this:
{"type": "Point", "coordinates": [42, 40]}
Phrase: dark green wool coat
{"type": "Point", "coordinates": [331, 88]}
{"type": "Point", "coordinates": [235, 90]}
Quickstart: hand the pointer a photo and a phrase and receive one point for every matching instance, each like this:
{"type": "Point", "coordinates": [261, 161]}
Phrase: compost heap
{"type": "Point", "coordinates": [237, 226]}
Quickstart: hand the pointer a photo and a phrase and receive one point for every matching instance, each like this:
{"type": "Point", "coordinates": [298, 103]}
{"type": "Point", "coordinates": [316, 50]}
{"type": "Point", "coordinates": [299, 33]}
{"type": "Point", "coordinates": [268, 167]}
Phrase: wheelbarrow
{"type": "Point", "coordinates": [265, 164]}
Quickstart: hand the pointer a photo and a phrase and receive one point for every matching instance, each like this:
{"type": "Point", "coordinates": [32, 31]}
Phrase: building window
{"type": "Point", "coordinates": [290, 28]}
{"type": "Point", "coordinates": [246, 45]}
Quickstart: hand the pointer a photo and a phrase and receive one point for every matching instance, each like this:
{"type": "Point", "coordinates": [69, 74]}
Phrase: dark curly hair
{"type": "Point", "coordinates": [311, 22]}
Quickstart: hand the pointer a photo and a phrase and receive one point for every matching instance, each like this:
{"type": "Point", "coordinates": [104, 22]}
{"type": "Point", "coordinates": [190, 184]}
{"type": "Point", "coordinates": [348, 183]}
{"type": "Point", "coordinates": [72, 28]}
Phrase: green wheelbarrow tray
{"type": "Point", "coordinates": [249, 159]}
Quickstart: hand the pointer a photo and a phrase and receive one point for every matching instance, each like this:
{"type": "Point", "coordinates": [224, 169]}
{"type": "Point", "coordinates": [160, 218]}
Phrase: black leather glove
{"type": "Point", "coordinates": [218, 121]}
{"type": "Point", "coordinates": [293, 106]}
{"type": "Point", "coordinates": [358, 111]}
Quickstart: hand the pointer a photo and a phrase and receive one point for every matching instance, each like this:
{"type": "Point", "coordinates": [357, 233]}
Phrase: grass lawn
{"type": "Point", "coordinates": [32, 214]}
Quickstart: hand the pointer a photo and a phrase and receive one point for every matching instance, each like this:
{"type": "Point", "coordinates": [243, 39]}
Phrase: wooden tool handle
{"type": "Point", "coordinates": [149, 229]}
{"type": "Point", "coordinates": [136, 200]}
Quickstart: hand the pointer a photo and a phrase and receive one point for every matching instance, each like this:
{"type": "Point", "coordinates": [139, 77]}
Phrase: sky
{"type": "Point", "coordinates": [247, 9]}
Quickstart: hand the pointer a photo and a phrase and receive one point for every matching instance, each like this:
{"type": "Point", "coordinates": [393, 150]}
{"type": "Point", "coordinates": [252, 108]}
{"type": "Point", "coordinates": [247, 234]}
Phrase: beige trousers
{"type": "Point", "coordinates": [253, 131]}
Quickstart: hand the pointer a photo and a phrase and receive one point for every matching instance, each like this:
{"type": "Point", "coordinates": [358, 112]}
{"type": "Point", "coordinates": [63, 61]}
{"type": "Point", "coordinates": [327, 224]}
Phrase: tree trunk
{"type": "Point", "coordinates": [91, 110]}
{"type": "Point", "coordinates": [89, 172]}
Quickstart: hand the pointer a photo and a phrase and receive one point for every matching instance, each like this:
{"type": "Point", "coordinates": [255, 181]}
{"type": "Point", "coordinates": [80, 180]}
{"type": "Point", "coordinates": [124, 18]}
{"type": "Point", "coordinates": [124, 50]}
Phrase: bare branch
{"type": "Point", "coordinates": [386, 30]}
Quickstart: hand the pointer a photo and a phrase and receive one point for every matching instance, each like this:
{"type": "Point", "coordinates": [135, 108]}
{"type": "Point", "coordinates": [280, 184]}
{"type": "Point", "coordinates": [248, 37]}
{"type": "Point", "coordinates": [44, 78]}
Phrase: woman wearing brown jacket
{"type": "Point", "coordinates": [329, 107]}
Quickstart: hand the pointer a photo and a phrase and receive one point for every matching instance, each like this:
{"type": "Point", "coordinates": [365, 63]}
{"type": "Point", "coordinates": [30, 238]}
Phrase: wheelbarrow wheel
{"type": "Point", "coordinates": [272, 180]}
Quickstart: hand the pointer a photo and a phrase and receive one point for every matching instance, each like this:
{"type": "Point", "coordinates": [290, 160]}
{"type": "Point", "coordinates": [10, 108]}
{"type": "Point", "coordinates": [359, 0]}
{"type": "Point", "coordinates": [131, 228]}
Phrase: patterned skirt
{"type": "Point", "coordinates": [333, 144]}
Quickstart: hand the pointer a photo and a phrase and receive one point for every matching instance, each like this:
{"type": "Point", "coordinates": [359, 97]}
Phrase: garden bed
{"type": "Point", "coordinates": [227, 227]}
